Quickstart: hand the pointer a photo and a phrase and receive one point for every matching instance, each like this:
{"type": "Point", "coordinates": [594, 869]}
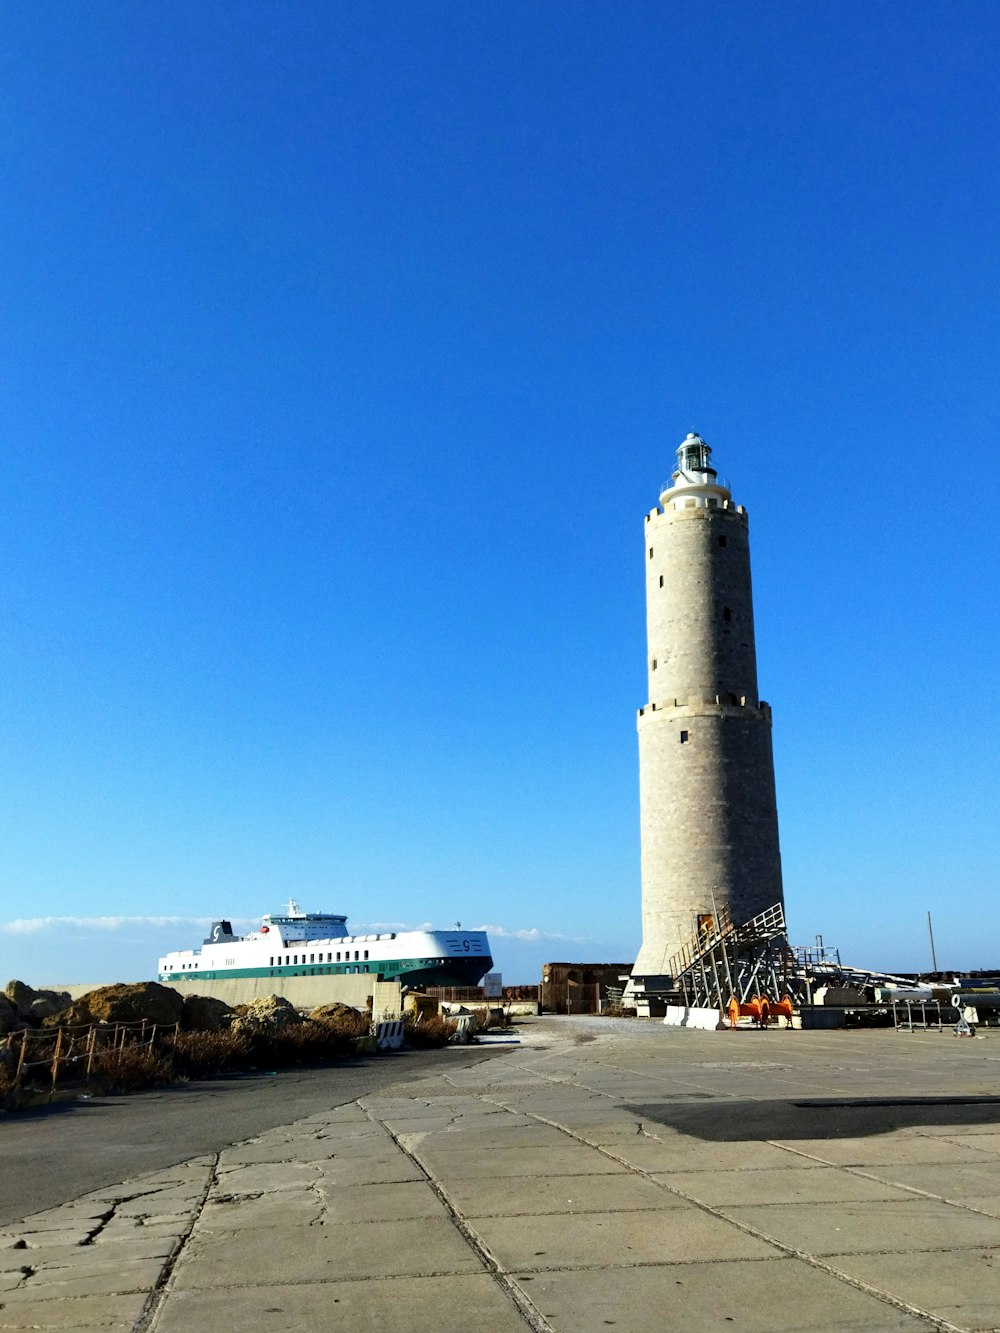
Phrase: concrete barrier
{"type": "Point", "coordinates": [680, 1016]}
{"type": "Point", "coordinates": [389, 1035]}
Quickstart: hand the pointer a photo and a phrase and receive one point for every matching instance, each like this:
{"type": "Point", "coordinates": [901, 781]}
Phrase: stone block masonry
{"type": "Point", "coordinates": [708, 811]}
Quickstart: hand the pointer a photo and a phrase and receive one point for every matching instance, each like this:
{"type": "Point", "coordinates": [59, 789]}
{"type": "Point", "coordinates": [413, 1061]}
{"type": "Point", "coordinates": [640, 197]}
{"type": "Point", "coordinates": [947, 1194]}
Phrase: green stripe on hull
{"type": "Point", "coordinates": [456, 972]}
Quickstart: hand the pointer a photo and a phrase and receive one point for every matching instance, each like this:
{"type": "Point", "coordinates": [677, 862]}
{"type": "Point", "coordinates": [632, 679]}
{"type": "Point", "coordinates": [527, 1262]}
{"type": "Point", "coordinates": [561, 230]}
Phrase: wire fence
{"type": "Point", "coordinates": [51, 1057]}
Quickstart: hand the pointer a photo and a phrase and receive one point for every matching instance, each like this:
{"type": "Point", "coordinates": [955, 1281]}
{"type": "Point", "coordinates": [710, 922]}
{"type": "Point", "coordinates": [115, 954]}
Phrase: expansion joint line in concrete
{"type": "Point", "coordinates": [933, 1321]}
{"type": "Point", "coordinates": [150, 1313]}
{"type": "Point", "coordinates": [896, 1184]}
{"type": "Point", "coordinates": [531, 1316]}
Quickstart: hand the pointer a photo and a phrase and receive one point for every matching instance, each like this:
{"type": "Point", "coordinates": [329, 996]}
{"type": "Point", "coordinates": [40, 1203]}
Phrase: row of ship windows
{"type": "Point", "coordinates": [290, 962]}
{"type": "Point", "coordinates": [295, 960]}
{"type": "Point", "coordinates": [316, 971]}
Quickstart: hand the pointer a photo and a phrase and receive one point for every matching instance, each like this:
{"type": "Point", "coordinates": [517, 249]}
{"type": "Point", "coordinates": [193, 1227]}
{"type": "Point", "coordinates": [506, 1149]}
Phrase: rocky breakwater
{"type": "Point", "coordinates": [24, 1008]}
{"type": "Point", "coordinates": [125, 1037]}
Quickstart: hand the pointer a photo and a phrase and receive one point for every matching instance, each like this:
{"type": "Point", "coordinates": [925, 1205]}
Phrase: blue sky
{"type": "Point", "coordinates": [344, 348]}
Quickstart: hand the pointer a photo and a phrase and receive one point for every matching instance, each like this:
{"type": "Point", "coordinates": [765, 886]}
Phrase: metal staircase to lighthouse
{"type": "Point", "coordinates": [724, 961]}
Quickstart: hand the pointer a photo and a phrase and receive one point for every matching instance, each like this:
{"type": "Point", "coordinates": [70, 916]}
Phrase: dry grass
{"type": "Point", "coordinates": [306, 1043]}
{"type": "Point", "coordinates": [199, 1054]}
{"type": "Point", "coordinates": [9, 1093]}
{"type": "Point", "coordinates": [137, 1065]}
{"type": "Point", "coordinates": [132, 1067]}
{"type": "Point", "coordinates": [430, 1031]}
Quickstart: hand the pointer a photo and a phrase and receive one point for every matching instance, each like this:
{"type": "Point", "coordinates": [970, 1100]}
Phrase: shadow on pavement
{"type": "Point", "coordinates": [725, 1121]}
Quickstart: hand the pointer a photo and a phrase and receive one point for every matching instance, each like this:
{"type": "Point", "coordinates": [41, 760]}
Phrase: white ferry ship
{"type": "Point", "coordinates": [312, 944]}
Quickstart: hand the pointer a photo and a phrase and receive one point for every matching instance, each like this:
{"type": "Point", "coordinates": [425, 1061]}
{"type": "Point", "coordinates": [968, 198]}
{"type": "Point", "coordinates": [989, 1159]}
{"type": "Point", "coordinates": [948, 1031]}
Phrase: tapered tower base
{"type": "Point", "coordinates": [709, 822]}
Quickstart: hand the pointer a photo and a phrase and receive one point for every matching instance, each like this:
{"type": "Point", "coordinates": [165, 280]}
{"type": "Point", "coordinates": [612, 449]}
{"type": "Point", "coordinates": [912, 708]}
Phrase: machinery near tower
{"type": "Point", "coordinates": [709, 820]}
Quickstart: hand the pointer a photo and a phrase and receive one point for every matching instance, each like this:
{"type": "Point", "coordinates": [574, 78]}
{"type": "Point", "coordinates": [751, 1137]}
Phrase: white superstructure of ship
{"type": "Point", "coordinates": [294, 943]}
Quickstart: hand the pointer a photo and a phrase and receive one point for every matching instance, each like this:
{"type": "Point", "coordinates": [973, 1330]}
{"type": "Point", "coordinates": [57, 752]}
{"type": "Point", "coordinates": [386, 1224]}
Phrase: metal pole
{"type": "Point", "coordinates": [930, 932]}
{"type": "Point", "coordinates": [725, 950]}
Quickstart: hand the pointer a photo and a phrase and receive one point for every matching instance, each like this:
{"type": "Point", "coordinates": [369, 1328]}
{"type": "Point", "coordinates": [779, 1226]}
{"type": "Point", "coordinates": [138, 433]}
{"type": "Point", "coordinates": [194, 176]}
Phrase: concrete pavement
{"type": "Point", "coordinates": [56, 1153]}
{"type": "Point", "coordinates": [603, 1173]}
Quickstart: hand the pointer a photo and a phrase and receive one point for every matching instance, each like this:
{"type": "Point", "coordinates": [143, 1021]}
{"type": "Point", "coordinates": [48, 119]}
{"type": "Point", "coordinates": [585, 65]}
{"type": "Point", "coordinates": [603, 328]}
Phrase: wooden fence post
{"type": "Point", "coordinates": [91, 1042]}
{"type": "Point", "coordinates": [55, 1061]}
{"type": "Point", "coordinates": [20, 1058]}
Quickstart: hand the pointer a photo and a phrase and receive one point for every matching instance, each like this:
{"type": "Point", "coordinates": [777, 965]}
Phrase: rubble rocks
{"type": "Point", "coordinates": [76, 1015]}
{"type": "Point", "coordinates": [265, 1014]}
{"type": "Point", "coordinates": [122, 1003]}
{"type": "Point", "coordinates": [335, 1013]}
{"type": "Point", "coordinates": [34, 1005]}
{"type": "Point", "coordinates": [10, 1021]}
{"type": "Point", "coordinates": [204, 1013]}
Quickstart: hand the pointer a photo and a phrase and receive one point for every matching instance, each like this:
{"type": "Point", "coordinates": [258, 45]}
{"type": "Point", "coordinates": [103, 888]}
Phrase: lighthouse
{"type": "Point", "coordinates": [709, 821]}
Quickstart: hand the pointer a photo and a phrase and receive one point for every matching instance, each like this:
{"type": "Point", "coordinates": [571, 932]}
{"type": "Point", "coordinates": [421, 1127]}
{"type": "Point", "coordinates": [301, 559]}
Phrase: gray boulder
{"type": "Point", "coordinates": [204, 1013]}
{"type": "Point", "coordinates": [48, 1002]}
{"type": "Point", "coordinates": [10, 1021]}
{"type": "Point", "coordinates": [34, 1005]}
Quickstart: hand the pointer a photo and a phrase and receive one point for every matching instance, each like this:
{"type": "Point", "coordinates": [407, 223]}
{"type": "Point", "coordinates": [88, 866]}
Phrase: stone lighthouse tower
{"type": "Point", "coordinates": [706, 773]}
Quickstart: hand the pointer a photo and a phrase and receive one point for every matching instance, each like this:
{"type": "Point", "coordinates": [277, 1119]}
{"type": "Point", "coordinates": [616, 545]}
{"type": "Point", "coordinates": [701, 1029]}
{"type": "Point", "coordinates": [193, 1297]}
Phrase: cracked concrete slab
{"type": "Point", "coordinates": [961, 1286]}
{"type": "Point", "coordinates": [955, 1180]}
{"type": "Point", "coordinates": [884, 1150]}
{"type": "Point", "coordinates": [229, 1212]}
{"type": "Point", "coordinates": [100, 1279]}
{"type": "Point", "coordinates": [588, 1240]}
{"type": "Point", "coordinates": [475, 1164]}
{"type": "Point", "coordinates": [754, 1297]}
{"type": "Point", "coordinates": [75, 1255]}
{"type": "Point", "coordinates": [682, 1155]}
{"type": "Point", "coordinates": [309, 1148]}
{"type": "Point", "coordinates": [266, 1176]}
{"type": "Point", "coordinates": [393, 1202]}
{"type": "Point", "coordinates": [532, 1196]}
{"type": "Point", "coordinates": [387, 1170]}
{"type": "Point", "coordinates": [453, 1304]}
{"type": "Point", "coordinates": [826, 1184]}
{"type": "Point", "coordinates": [879, 1226]}
{"type": "Point", "coordinates": [423, 1247]}
{"type": "Point", "coordinates": [516, 1136]}
{"type": "Point", "coordinates": [73, 1316]}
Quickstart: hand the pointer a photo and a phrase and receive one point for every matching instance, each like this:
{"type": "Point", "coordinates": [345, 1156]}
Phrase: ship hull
{"type": "Point", "coordinates": [408, 971]}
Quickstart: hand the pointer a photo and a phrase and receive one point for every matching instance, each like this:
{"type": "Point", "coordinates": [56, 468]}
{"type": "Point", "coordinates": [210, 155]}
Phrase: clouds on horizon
{"type": "Point", "coordinates": [37, 925]}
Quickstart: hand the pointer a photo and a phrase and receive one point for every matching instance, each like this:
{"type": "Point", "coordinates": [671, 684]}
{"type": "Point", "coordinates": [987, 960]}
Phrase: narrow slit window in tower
{"type": "Point", "coordinates": [727, 615]}
{"type": "Point", "coordinates": [684, 737]}
{"type": "Point", "coordinates": [650, 553]}
{"type": "Point", "coordinates": [661, 580]}
{"type": "Point", "coordinates": [722, 541]}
